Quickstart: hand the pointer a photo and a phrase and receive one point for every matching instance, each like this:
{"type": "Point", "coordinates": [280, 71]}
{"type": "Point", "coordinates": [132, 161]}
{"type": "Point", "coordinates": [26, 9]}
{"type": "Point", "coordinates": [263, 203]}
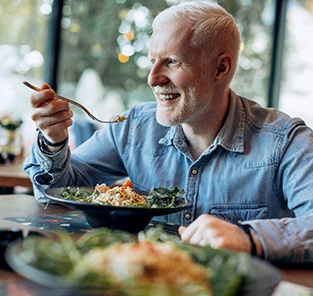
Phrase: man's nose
{"type": "Point", "coordinates": [157, 76]}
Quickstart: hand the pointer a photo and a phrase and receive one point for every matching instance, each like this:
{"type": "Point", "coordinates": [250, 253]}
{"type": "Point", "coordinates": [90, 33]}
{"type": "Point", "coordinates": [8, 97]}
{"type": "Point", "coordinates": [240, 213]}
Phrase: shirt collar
{"type": "Point", "coordinates": [173, 131]}
{"type": "Point", "coordinates": [231, 135]}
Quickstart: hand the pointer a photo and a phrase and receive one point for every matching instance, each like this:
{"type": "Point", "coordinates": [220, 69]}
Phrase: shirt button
{"type": "Point", "coordinates": [194, 171]}
{"type": "Point", "coordinates": [180, 142]}
{"type": "Point", "coordinates": [188, 216]}
{"type": "Point", "coordinates": [46, 164]}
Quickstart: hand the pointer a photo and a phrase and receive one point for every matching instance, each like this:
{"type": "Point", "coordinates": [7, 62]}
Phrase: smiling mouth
{"type": "Point", "coordinates": [167, 97]}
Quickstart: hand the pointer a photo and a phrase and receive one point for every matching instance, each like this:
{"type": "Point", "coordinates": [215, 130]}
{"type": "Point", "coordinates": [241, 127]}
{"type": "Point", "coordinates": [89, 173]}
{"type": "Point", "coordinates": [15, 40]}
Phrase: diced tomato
{"type": "Point", "coordinates": [128, 183]}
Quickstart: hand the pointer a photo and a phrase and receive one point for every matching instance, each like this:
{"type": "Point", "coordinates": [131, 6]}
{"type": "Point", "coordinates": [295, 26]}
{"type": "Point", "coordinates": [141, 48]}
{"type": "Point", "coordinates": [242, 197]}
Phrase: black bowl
{"type": "Point", "coordinates": [127, 218]}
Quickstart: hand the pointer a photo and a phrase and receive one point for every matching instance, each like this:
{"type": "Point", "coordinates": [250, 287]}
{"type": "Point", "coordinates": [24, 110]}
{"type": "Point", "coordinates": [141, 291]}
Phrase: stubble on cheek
{"type": "Point", "coordinates": [180, 113]}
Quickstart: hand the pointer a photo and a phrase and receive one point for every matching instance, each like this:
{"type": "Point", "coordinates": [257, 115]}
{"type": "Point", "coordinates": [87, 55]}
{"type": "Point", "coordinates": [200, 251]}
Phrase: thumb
{"type": "Point", "coordinates": [181, 230]}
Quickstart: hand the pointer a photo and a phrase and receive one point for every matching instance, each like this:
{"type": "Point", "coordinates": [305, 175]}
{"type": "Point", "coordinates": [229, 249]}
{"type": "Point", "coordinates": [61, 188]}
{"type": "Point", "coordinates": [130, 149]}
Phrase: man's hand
{"type": "Point", "coordinates": [209, 230]}
{"type": "Point", "coordinates": [52, 116]}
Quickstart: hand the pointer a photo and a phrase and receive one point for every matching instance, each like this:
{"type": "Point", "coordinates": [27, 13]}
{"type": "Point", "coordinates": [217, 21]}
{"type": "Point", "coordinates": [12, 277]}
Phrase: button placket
{"type": "Point", "coordinates": [194, 171]}
{"type": "Point", "coordinates": [194, 178]}
{"type": "Point", "coordinates": [187, 216]}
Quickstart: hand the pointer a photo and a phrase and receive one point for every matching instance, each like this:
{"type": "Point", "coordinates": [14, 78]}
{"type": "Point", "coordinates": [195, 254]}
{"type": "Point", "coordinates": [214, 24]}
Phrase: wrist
{"type": "Point", "coordinates": [48, 146]}
{"type": "Point", "coordinates": [259, 247]}
{"type": "Point", "coordinates": [255, 244]}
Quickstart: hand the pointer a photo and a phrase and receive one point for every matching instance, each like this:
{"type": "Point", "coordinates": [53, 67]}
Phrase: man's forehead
{"type": "Point", "coordinates": [173, 38]}
{"type": "Point", "coordinates": [177, 29]}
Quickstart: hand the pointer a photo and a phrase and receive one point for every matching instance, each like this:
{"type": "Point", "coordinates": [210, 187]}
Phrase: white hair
{"type": "Point", "coordinates": [215, 30]}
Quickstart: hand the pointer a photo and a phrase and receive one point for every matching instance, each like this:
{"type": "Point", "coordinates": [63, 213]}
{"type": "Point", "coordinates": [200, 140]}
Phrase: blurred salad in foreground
{"type": "Point", "coordinates": [124, 264]}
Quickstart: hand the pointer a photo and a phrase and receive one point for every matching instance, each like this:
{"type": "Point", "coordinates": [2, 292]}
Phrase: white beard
{"type": "Point", "coordinates": [173, 115]}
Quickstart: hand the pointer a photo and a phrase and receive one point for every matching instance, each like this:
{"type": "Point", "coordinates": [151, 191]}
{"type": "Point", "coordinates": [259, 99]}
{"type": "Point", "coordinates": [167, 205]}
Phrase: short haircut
{"type": "Point", "coordinates": [215, 30]}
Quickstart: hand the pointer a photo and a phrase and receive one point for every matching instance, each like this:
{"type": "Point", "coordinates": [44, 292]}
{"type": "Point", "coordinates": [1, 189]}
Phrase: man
{"type": "Point", "coordinates": [240, 164]}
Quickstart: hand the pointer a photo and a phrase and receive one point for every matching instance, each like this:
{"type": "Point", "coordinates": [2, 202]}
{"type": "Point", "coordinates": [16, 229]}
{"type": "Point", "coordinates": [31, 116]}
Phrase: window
{"type": "Point", "coordinates": [23, 30]}
{"type": "Point", "coordinates": [296, 96]}
{"type": "Point", "coordinates": [255, 20]}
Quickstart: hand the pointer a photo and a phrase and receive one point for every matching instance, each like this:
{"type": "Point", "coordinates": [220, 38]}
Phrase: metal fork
{"type": "Point", "coordinates": [114, 119]}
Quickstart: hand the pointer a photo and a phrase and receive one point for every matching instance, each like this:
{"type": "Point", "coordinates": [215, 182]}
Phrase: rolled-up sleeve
{"type": "Point", "coordinates": [288, 240]}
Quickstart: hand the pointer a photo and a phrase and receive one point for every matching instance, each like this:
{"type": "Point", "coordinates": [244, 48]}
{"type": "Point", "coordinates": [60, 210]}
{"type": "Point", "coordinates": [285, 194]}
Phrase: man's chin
{"type": "Point", "coordinates": [166, 121]}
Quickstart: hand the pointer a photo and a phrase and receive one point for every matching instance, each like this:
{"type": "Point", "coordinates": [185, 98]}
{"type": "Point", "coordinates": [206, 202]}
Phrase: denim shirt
{"type": "Point", "coordinates": [259, 169]}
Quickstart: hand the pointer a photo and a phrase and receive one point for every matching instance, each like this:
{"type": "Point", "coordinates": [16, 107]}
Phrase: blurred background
{"type": "Point", "coordinates": [95, 52]}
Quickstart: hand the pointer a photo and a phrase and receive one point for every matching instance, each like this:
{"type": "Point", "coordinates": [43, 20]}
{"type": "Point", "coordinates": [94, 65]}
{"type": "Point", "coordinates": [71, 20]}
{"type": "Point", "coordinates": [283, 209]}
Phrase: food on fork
{"type": "Point", "coordinates": [118, 118]}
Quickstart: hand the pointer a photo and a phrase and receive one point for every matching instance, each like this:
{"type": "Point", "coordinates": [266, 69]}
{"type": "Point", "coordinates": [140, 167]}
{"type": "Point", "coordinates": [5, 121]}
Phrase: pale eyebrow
{"type": "Point", "coordinates": [177, 57]}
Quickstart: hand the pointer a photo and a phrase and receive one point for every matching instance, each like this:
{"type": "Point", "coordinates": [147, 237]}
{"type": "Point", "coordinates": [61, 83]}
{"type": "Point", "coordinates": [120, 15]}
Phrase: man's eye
{"type": "Point", "coordinates": [172, 61]}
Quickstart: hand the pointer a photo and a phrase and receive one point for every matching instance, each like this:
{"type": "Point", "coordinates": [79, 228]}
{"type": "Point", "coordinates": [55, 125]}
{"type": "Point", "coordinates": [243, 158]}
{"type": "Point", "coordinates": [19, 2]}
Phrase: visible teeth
{"type": "Point", "coordinates": [168, 96]}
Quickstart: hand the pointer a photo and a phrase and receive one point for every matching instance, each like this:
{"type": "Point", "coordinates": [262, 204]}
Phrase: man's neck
{"type": "Point", "coordinates": [198, 142]}
{"type": "Point", "coordinates": [202, 134]}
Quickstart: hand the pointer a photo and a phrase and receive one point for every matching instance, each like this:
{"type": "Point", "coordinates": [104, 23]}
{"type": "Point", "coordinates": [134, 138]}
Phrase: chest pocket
{"type": "Point", "coordinates": [239, 212]}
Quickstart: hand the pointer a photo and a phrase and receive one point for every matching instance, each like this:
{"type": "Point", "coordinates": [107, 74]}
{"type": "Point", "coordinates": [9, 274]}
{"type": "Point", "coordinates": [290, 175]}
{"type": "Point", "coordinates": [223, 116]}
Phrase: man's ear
{"type": "Point", "coordinates": [223, 67]}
